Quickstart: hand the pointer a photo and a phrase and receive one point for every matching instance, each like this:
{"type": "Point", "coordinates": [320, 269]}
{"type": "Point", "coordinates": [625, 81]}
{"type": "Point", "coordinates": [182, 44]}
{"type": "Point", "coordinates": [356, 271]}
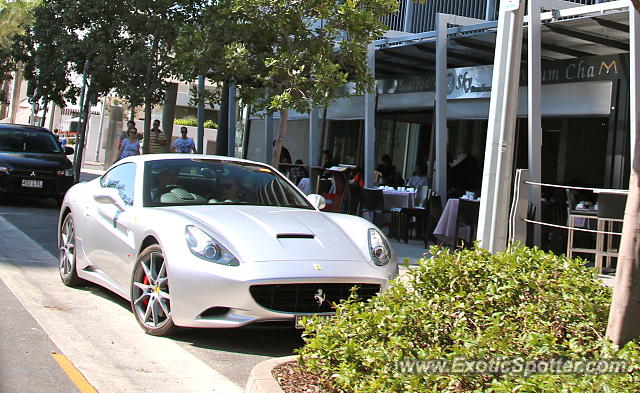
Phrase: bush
{"type": "Point", "coordinates": [193, 122]}
{"type": "Point", "coordinates": [471, 304]}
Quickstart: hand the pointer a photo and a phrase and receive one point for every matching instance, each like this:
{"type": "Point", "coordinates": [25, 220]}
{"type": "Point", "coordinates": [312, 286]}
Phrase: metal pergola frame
{"type": "Point", "coordinates": [466, 44]}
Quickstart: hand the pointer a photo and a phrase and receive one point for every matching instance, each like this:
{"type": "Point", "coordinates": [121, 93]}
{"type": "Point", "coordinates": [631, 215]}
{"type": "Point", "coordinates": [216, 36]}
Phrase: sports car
{"type": "Point", "coordinates": [215, 242]}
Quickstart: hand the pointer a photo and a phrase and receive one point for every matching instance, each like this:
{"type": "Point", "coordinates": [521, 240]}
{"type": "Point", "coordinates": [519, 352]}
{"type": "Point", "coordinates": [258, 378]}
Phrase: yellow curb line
{"type": "Point", "coordinates": [73, 373]}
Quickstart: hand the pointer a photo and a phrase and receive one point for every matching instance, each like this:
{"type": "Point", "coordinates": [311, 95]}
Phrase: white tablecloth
{"type": "Point", "coordinates": [393, 199]}
{"type": "Point", "coordinates": [304, 186]}
{"type": "Point", "coordinates": [446, 229]}
{"type": "Point", "coordinates": [584, 222]}
{"type": "Point", "coordinates": [398, 199]}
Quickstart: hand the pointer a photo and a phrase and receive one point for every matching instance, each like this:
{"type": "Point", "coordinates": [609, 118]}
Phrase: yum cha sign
{"type": "Point", "coordinates": [475, 82]}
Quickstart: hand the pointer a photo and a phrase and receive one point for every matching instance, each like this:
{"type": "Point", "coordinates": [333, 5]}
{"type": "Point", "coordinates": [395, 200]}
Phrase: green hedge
{"type": "Point", "coordinates": [193, 122]}
{"type": "Point", "coordinates": [471, 304]}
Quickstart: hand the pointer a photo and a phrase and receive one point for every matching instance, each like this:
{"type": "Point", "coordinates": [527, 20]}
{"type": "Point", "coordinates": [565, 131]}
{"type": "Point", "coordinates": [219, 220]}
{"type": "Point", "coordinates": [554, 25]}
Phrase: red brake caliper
{"type": "Point", "coordinates": [145, 282]}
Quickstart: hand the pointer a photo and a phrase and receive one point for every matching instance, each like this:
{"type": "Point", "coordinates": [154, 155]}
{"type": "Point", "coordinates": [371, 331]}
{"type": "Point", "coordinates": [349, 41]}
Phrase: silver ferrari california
{"type": "Point", "coordinates": [206, 241]}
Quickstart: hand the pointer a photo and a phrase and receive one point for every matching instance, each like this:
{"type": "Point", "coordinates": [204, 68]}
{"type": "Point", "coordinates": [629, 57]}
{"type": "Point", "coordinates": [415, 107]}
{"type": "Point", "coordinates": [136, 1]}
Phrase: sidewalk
{"type": "Point", "coordinates": [93, 167]}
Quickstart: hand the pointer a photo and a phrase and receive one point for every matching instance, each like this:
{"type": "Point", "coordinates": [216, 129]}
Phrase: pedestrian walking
{"type": "Point", "coordinates": [183, 144]}
{"type": "Point", "coordinates": [125, 134]}
{"type": "Point", "coordinates": [129, 146]}
{"type": "Point", "coordinates": [157, 139]}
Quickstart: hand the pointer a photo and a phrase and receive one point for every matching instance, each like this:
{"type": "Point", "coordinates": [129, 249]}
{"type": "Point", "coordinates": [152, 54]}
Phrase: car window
{"type": "Point", "coordinates": [122, 178]}
{"type": "Point", "coordinates": [216, 182]}
{"type": "Point", "coordinates": [28, 141]}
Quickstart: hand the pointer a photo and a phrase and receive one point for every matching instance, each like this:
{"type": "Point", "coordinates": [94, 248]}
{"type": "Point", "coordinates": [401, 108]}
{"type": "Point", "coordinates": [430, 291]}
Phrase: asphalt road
{"type": "Point", "coordinates": [96, 329]}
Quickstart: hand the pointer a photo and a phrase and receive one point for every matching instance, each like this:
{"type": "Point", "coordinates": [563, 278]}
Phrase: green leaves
{"type": "Point", "coordinates": [518, 303]}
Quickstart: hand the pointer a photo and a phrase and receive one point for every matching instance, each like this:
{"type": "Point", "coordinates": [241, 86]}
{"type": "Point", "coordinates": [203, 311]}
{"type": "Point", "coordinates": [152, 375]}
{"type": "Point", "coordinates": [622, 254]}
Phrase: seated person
{"type": "Point", "coordinates": [358, 178]}
{"type": "Point", "coordinates": [166, 179]}
{"type": "Point", "coordinates": [418, 179]}
{"type": "Point", "coordinates": [168, 191]}
{"type": "Point", "coordinates": [227, 191]}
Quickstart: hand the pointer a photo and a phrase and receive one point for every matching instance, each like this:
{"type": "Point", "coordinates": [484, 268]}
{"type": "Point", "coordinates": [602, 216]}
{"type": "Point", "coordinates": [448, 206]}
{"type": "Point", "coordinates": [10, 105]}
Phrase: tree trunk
{"type": "Point", "coordinates": [624, 316]}
{"type": "Point", "coordinates": [147, 123]}
{"type": "Point", "coordinates": [5, 93]}
{"type": "Point", "coordinates": [45, 106]}
{"type": "Point", "coordinates": [282, 132]}
{"type": "Point", "coordinates": [15, 94]}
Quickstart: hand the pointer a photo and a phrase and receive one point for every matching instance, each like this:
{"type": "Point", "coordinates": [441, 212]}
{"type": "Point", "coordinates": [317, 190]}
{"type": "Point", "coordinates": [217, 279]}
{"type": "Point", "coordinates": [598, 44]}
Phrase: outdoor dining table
{"type": "Point", "coordinates": [445, 231]}
{"type": "Point", "coordinates": [394, 199]}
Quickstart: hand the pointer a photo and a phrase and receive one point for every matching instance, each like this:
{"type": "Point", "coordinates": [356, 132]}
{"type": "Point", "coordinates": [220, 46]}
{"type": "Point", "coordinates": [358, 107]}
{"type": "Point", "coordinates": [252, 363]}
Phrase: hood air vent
{"type": "Point", "coordinates": [295, 236]}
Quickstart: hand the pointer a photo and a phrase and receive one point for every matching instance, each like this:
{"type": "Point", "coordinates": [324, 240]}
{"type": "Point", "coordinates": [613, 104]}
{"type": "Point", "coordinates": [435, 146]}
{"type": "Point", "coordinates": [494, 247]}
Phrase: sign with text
{"type": "Point", "coordinates": [510, 5]}
{"type": "Point", "coordinates": [475, 82]}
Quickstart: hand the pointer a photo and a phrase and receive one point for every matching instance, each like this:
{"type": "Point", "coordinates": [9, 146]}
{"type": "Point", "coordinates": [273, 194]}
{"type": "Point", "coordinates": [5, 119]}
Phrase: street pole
{"type": "Point", "coordinates": [534, 91]}
{"type": "Point", "coordinates": [77, 158]}
{"type": "Point", "coordinates": [498, 163]}
{"type": "Point", "coordinates": [231, 138]}
{"type": "Point", "coordinates": [370, 120]}
{"type": "Point", "coordinates": [100, 128]}
{"type": "Point", "coordinates": [200, 114]}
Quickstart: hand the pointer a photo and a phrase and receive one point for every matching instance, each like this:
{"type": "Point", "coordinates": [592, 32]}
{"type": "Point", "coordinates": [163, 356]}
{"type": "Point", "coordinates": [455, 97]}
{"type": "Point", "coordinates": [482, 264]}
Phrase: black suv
{"type": "Point", "coordinates": [32, 162]}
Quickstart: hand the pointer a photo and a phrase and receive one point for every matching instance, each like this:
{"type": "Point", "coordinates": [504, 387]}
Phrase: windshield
{"type": "Point", "coordinates": [28, 141]}
{"type": "Point", "coordinates": [215, 182]}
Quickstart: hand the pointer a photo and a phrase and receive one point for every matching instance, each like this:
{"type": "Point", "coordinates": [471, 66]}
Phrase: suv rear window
{"type": "Point", "coordinates": [29, 141]}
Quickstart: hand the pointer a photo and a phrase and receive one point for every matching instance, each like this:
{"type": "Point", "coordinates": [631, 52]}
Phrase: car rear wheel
{"type": "Point", "coordinates": [67, 258]}
{"type": "Point", "coordinates": [150, 296]}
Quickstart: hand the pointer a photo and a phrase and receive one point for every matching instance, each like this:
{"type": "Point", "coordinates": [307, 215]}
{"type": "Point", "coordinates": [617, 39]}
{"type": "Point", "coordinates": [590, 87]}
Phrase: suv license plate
{"type": "Point", "coordinates": [32, 183]}
{"type": "Point", "coordinates": [299, 318]}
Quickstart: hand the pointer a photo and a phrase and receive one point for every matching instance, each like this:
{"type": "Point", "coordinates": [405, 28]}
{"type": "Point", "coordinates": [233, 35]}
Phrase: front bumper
{"type": "Point", "coordinates": [204, 294]}
{"type": "Point", "coordinates": [52, 185]}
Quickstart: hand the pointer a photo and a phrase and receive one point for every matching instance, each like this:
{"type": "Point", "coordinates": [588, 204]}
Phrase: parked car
{"type": "Point", "coordinates": [32, 162]}
{"type": "Point", "coordinates": [215, 242]}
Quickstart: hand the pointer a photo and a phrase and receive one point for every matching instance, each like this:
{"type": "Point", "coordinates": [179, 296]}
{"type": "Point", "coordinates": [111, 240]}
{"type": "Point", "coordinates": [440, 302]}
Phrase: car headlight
{"type": "Point", "coordinates": [66, 172]}
{"type": "Point", "coordinates": [378, 248]}
{"type": "Point", "coordinates": [204, 246]}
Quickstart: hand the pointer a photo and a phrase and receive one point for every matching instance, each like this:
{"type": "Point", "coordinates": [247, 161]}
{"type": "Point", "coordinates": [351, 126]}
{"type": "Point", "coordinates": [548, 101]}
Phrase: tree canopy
{"type": "Point", "coordinates": [15, 16]}
{"type": "Point", "coordinates": [284, 54]}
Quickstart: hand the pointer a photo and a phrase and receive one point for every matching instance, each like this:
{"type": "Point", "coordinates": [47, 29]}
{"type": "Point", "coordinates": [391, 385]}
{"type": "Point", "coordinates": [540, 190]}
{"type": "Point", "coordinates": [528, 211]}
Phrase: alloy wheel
{"type": "Point", "coordinates": [150, 291]}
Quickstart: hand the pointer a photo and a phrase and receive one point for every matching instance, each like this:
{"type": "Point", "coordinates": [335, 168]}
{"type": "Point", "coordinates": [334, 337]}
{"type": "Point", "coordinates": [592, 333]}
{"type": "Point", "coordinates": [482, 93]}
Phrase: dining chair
{"type": "Point", "coordinates": [418, 215]}
{"type": "Point", "coordinates": [372, 200]}
{"type": "Point", "coordinates": [355, 193]}
{"type": "Point", "coordinates": [468, 213]}
{"type": "Point", "coordinates": [572, 215]}
{"type": "Point", "coordinates": [434, 214]}
{"type": "Point", "coordinates": [610, 216]}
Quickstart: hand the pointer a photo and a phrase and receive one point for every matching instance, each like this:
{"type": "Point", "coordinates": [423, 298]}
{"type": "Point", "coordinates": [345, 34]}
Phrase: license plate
{"type": "Point", "coordinates": [32, 183]}
{"type": "Point", "coordinates": [300, 316]}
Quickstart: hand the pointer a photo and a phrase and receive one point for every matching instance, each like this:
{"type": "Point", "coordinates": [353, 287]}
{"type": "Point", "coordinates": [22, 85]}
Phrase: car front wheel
{"type": "Point", "coordinates": [150, 296]}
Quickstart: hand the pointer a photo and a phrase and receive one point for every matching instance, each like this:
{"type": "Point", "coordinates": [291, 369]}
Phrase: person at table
{"type": "Point", "coordinates": [327, 159]}
{"type": "Point", "coordinates": [418, 179]}
{"type": "Point", "coordinates": [298, 172]}
{"type": "Point", "coordinates": [386, 168]}
{"type": "Point", "coordinates": [358, 178]}
{"type": "Point", "coordinates": [394, 180]}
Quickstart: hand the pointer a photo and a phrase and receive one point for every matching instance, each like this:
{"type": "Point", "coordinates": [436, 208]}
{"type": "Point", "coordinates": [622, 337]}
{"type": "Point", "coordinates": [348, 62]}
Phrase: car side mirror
{"type": "Point", "coordinates": [68, 150]}
{"type": "Point", "coordinates": [109, 195]}
{"type": "Point", "coordinates": [317, 201]}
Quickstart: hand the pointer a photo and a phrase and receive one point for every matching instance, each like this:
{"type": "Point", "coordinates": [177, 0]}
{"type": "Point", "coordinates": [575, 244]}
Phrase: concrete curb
{"type": "Point", "coordinates": [261, 380]}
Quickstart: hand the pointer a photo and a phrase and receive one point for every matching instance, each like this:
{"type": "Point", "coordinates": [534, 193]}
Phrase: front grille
{"type": "Point", "coordinates": [305, 298]}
